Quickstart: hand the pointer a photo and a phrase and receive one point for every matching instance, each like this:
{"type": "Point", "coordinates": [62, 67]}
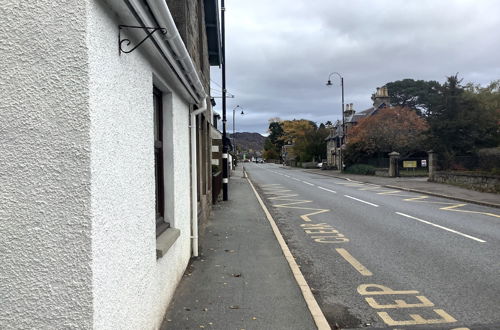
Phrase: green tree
{"type": "Point", "coordinates": [274, 141]}
{"type": "Point", "coordinates": [462, 121]}
{"type": "Point", "coordinates": [418, 95]}
{"type": "Point", "coordinates": [489, 118]}
{"type": "Point", "coordinates": [308, 139]}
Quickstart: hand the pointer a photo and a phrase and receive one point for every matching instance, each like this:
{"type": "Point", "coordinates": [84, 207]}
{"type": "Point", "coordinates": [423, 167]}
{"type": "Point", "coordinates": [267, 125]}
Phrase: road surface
{"type": "Point", "coordinates": [385, 258]}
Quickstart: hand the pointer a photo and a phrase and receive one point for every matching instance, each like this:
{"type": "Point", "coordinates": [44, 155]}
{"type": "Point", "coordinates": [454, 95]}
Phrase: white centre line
{"type": "Point", "coordinates": [307, 183]}
{"type": "Point", "coordinates": [295, 179]}
{"type": "Point", "coordinates": [442, 227]}
{"type": "Point", "coordinates": [360, 200]}
{"type": "Point", "coordinates": [327, 190]}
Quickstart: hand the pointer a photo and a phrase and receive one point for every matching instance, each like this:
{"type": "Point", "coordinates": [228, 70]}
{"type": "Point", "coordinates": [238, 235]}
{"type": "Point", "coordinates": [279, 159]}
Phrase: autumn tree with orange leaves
{"type": "Point", "coordinates": [392, 129]}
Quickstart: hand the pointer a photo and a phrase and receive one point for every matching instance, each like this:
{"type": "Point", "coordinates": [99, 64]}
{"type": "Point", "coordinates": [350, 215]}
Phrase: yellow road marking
{"type": "Point", "coordinates": [452, 208]}
{"type": "Point", "coordinates": [294, 203]}
{"type": "Point", "coordinates": [362, 290]}
{"type": "Point", "coordinates": [339, 238]}
{"type": "Point", "coordinates": [276, 192]}
{"type": "Point", "coordinates": [327, 235]}
{"type": "Point", "coordinates": [415, 198]}
{"type": "Point", "coordinates": [399, 303]}
{"type": "Point", "coordinates": [417, 319]}
{"type": "Point", "coordinates": [355, 263]}
{"type": "Point", "coordinates": [305, 217]}
{"type": "Point", "coordinates": [370, 188]}
{"type": "Point", "coordinates": [388, 192]}
{"type": "Point", "coordinates": [282, 197]}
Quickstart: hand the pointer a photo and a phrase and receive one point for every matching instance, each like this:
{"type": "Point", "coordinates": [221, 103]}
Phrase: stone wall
{"type": "Point", "coordinates": [309, 165]}
{"type": "Point", "coordinates": [382, 172]}
{"type": "Point", "coordinates": [479, 182]}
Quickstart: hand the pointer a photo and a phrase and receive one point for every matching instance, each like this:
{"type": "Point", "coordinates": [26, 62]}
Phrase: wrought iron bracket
{"type": "Point", "coordinates": [149, 30]}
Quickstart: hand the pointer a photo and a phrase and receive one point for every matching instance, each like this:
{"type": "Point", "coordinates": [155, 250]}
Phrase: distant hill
{"type": "Point", "coordinates": [249, 141]}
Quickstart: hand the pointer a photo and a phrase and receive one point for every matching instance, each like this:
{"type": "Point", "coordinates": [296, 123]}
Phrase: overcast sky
{"type": "Point", "coordinates": [280, 52]}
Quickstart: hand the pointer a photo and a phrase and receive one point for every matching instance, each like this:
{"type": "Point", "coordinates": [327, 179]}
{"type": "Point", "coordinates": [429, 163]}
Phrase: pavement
{"type": "Point", "coordinates": [242, 279]}
{"type": "Point", "coordinates": [419, 185]}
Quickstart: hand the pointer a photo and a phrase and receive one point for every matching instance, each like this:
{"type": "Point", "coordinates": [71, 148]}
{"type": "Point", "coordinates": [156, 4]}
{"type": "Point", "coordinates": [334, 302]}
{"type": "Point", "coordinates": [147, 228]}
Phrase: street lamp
{"type": "Point", "coordinates": [234, 112]}
{"type": "Point", "coordinates": [329, 83]}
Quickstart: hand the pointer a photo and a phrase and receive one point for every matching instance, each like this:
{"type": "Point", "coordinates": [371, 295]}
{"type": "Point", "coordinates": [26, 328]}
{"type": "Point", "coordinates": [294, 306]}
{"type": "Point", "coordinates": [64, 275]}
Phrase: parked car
{"type": "Point", "coordinates": [319, 165]}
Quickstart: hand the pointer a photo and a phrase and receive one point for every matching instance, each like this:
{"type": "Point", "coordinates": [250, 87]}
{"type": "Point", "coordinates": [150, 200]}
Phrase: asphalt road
{"type": "Point", "coordinates": [377, 257]}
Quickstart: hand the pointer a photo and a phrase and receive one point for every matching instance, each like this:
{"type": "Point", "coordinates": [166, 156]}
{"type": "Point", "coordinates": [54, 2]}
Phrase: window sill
{"type": "Point", "coordinates": [165, 241]}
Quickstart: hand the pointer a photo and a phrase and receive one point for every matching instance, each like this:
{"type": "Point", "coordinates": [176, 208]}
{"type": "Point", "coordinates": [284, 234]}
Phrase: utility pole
{"type": "Point", "coordinates": [344, 133]}
{"type": "Point", "coordinates": [225, 168]}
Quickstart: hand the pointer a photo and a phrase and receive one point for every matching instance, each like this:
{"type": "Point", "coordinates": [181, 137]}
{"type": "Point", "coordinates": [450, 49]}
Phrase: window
{"type": "Point", "coordinates": [161, 225]}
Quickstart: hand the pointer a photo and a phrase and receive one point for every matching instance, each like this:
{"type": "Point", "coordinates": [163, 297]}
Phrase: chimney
{"type": "Point", "coordinates": [349, 110]}
{"type": "Point", "coordinates": [381, 97]}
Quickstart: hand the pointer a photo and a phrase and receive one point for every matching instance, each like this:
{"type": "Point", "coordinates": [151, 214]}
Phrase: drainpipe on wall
{"type": "Point", "coordinates": [194, 175]}
{"type": "Point", "coordinates": [181, 55]}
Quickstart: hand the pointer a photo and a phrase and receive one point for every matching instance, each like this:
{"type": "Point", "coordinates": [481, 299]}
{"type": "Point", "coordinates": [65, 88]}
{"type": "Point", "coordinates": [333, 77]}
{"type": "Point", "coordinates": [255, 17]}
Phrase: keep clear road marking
{"type": "Point", "coordinates": [360, 200]}
{"type": "Point", "coordinates": [355, 263]}
{"type": "Point", "coordinates": [327, 190]}
{"type": "Point", "coordinates": [442, 227]}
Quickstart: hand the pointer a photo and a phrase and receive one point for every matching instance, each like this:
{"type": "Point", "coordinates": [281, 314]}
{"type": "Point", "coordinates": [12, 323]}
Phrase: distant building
{"type": "Point", "coordinates": [337, 139]}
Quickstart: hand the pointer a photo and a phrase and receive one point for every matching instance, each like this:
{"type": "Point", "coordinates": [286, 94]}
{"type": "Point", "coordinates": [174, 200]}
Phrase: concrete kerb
{"type": "Point", "coordinates": [422, 192]}
{"type": "Point", "coordinates": [316, 312]}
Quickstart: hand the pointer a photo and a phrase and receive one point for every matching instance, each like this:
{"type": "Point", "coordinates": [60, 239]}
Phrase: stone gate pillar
{"type": "Point", "coordinates": [393, 164]}
{"type": "Point", "coordinates": [432, 164]}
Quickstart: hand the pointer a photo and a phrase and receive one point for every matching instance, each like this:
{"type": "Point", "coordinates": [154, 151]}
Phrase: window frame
{"type": "Point", "coordinates": [161, 224]}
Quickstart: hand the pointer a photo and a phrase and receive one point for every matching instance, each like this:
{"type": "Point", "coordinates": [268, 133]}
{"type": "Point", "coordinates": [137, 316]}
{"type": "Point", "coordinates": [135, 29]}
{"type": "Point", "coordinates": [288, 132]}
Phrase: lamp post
{"type": "Point", "coordinates": [329, 83]}
{"type": "Point", "coordinates": [225, 179]}
{"type": "Point", "coordinates": [234, 112]}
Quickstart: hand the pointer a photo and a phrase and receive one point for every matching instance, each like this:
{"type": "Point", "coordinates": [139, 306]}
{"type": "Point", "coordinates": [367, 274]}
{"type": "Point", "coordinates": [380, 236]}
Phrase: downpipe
{"type": "Point", "coordinates": [194, 175]}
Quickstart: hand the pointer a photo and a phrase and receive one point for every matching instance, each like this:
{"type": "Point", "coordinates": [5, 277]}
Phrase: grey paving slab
{"type": "Point", "coordinates": [241, 280]}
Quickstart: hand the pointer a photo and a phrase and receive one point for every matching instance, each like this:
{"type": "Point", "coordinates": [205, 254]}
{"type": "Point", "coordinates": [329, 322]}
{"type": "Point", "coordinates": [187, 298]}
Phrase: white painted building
{"type": "Point", "coordinates": [78, 199]}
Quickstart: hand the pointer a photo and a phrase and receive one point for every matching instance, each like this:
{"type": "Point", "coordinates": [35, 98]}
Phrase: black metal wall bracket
{"type": "Point", "coordinates": [149, 30]}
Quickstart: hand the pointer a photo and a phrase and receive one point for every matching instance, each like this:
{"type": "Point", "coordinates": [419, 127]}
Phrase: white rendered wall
{"type": "Point", "coordinates": [77, 215]}
{"type": "Point", "coordinates": [131, 287]}
{"type": "Point", "coordinates": [45, 228]}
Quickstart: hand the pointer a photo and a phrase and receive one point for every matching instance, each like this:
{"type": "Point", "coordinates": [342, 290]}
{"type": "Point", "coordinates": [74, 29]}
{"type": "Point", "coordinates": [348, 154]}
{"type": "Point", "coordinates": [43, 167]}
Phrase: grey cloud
{"type": "Point", "coordinates": [280, 52]}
